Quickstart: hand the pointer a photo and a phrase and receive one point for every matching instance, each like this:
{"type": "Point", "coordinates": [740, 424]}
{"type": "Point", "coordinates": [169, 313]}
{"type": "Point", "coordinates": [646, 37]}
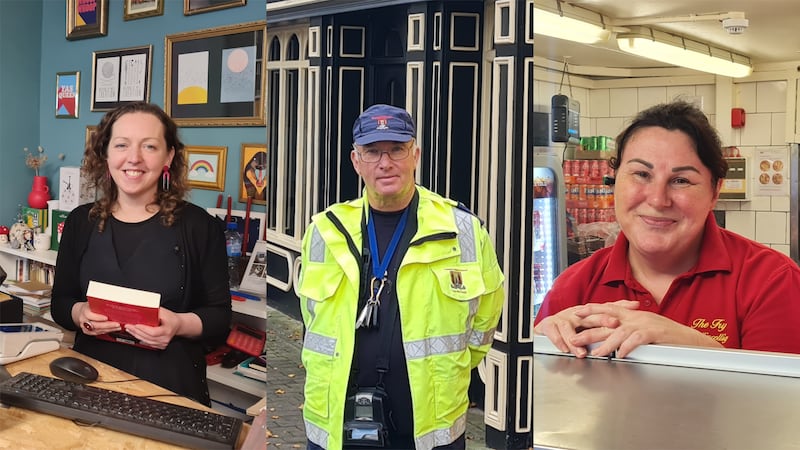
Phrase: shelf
{"type": "Point", "coordinates": [251, 308]}
{"type": "Point", "coordinates": [46, 256]}
{"type": "Point", "coordinates": [226, 377]}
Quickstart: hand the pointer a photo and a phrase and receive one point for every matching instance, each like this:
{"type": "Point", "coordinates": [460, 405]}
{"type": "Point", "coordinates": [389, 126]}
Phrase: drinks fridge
{"type": "Point", "coordinates": [549, 225]}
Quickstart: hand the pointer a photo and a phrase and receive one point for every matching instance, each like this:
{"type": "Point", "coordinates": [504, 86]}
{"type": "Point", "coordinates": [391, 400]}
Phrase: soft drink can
{"type": "Point", "coordinates": [582, 215]}
{"type": "Point", "coordinates": [594, 169]}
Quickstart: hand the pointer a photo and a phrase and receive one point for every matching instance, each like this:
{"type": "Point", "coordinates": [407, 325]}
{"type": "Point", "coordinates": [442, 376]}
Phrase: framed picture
{"type": "Point", "coordinates": [121, 76]}
{"type": "Point", "coordinates": [67, 90]}
{"type": "Point", "coordinates": [255, 275]}
{"type": "Point", "coordinates": [86, 19]}
{"type": "Point", "coordinates": [253, 173]}
{"type": "Point", "coordinates": [200, 6]}
{"type": "Point", "coordinates": [206, 166]}
{"type": "Point", "coordinates": [216, 77]}
{"type": "Point", "coordinates": [137, 9]}
{"type": "Point", "coordinates": [256, 225]}
{"type": "Point", "coordinates": [90, 129]}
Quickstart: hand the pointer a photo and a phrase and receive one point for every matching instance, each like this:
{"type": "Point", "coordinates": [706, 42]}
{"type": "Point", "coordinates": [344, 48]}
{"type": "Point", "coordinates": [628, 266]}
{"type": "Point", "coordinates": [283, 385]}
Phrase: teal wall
{"type": "Point", "coordinates": [20, 47]}
{"type": "Point", "coordinates": [32, 34]}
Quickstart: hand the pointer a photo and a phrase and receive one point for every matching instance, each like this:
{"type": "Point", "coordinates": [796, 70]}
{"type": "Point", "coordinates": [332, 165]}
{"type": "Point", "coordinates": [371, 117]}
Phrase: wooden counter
{"type": "Point", "coordinates": [24, 429]}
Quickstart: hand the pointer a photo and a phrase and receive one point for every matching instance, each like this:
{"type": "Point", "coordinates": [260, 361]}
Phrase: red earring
{"type": "Point", "coordinates": [165, 179]}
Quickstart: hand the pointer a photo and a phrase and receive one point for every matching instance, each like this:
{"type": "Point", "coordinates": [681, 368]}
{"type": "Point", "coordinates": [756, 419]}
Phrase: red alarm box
{"type": "Point", "coordinates": [246, 339]}
{"type": "Point", "coordinates": [737, 117]}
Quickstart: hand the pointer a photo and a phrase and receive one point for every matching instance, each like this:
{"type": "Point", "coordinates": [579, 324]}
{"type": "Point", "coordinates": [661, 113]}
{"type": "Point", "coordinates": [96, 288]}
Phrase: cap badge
{"type": "Point", "coordinates": [383, 122]}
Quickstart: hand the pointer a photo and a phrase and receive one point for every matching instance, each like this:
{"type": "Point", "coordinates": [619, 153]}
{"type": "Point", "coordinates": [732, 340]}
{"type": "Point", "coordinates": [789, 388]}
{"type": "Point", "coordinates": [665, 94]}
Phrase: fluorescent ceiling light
{"type": "Point", "coordinates": [677, 50]}
{"type": "Point", "coordinates": [563, 21]}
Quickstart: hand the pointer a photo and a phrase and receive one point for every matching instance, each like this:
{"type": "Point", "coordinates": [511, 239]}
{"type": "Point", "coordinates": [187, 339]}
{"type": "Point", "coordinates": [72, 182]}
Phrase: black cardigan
{"type": "Point", "coordinates": [180, 367]}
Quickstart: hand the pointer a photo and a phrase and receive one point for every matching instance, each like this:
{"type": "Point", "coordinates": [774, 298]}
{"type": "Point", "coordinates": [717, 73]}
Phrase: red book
{"type": "Point", "coordinates": [123, 305]}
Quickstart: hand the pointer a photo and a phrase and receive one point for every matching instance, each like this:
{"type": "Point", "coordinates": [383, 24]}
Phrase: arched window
{"type": "Point", "coordinates": [275, 49]}
{"type": "Point", "coordinates": [293, 49]}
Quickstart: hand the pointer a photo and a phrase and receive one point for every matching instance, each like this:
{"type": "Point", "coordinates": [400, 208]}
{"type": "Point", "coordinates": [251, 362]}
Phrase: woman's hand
{"type": "Point", "coordinates": [92, 323]}
{"type": "Point", "coordinates": [634, 328]}
{"type": "Point", "coordinates": [160, 336]}
{"type": "Point", "coordinates": [563, 328]}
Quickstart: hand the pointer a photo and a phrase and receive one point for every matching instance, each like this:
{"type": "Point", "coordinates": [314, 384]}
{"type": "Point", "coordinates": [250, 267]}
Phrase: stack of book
{"type": "Point", "coordinates": [254, 367]}
{"type": "Point", "coordinates": [35, 296]}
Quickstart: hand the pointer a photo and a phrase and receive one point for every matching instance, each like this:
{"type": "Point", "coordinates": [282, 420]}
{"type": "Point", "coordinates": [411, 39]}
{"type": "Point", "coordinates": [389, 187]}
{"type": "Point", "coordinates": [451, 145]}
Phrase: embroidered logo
{"type": "Point", "coordinates": [456, 283]}
{"type": "Point", "coordinates": [715, 328]}
{"type": "Point", "coordinates": [382, 122]}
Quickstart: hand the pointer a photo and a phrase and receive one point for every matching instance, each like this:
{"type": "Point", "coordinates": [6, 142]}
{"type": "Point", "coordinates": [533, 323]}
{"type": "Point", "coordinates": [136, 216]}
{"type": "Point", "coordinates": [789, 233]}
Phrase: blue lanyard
{"type": "Point", "coordinates": [379, 265]}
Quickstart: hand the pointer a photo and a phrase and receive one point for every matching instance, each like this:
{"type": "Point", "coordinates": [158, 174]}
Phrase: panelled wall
{"type": "Point", "coordinates": [607, 111]}
{"type": "Point", "coordinates": [464, 70]}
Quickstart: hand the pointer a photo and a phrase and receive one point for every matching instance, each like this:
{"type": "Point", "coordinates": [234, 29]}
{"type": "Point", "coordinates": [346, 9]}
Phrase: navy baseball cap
{"type": "Point", "coordinates": [383, 123]}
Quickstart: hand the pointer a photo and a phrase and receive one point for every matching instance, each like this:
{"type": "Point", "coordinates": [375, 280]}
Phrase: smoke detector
{"type": "Point", "coordinates": [735, 25]}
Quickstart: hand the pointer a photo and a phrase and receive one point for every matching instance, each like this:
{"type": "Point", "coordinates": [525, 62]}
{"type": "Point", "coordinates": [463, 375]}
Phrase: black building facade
{"type": "Point", "coordinates": [464, 70]}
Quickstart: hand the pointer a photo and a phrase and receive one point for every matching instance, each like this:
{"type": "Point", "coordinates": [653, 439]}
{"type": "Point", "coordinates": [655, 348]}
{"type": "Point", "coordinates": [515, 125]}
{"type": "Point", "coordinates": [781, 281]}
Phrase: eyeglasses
{"type": "Point", "coordinates": [373, 155]}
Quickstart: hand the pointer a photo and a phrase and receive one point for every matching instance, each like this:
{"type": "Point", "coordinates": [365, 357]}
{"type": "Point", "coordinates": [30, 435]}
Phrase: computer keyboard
{"type": "Point", "coordinates": [145, 417]}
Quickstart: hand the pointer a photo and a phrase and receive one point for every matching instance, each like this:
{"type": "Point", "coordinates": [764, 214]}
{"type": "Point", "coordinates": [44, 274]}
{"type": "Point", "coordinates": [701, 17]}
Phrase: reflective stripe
{"type": "Point", "coordinates": [435, 346]}
{"type": "Point", "coordinates": [316, 434]}
{"type": "Point", "coordinates": [319, 343]}
{"type": "Point", "coordinates": [466, 237]}
{"type": "Point", "coordinates": [478, 338]}
{"type": "Point", "coordinates": [442, 437]}
{"type": "Point", "coordinates": [473, 308]}
{"type": "Point", "coordinates": [316, 250]}
{"type": "Point", "coordinates": [310, 305]}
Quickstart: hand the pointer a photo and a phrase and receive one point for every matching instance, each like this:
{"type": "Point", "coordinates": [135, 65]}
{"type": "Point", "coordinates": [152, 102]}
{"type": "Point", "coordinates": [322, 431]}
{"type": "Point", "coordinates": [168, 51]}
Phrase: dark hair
{"type": "Point", "coordinates": [685, 117]}
{"type": "Point", "coordinates": [95, 165]}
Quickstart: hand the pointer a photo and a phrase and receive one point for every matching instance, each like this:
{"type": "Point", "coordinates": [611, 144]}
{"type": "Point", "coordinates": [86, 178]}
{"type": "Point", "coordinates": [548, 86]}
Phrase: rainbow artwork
{"type": "Point", "coordinates": [201, 170]}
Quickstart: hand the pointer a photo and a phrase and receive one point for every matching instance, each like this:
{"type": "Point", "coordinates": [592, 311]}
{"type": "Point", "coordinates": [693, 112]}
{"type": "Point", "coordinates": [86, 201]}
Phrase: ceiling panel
{"type": "Point", "coordinates": [773, 34]}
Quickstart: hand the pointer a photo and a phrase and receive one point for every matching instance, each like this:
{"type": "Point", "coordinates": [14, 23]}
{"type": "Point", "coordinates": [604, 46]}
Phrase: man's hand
{"type": "Point", "coordinates": [566, 329]}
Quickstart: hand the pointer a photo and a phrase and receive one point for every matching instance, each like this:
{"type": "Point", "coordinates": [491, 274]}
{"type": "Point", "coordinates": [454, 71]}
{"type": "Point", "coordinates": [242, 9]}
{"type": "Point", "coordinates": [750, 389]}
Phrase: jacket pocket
{"type": "Point", "coordinates": [460, 282]}
{"type": "Point", "coordinates": [320, 281]}
{"type": "Point", "coordinates": [317, 388]}
{"type": "Point", "coordinates": [450, 396]}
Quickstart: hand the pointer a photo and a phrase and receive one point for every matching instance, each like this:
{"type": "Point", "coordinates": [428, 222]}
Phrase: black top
{"type": "Point", "coordinates": [185, 263]}
{"type": "Point", "coordinates": [369, 342]}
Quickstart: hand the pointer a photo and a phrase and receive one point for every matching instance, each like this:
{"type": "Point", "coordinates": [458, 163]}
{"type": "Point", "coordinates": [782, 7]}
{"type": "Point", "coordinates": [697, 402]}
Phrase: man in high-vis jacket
{"type": "Point", "coordinates": [400, 292]}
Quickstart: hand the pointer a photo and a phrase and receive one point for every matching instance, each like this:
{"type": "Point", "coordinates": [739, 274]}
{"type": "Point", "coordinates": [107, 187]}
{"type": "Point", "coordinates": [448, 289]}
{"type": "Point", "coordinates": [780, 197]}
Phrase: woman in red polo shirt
{"type": "Point", "coordinates": [673, 276]}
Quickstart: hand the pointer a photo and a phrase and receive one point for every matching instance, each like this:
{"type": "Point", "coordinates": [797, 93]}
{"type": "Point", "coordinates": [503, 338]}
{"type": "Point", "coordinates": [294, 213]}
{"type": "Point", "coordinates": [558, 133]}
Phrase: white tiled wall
{"type": "Point", "coordinates": [607, 112]}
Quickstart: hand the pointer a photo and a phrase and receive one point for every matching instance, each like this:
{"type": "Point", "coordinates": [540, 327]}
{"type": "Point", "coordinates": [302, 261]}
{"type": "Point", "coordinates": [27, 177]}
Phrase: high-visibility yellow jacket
{"type": "Point", "coordinates": [450, 296]}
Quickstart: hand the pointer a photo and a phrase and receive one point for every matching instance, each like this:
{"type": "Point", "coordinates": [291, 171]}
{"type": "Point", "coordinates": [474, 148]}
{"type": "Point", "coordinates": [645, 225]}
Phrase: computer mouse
{"type": "Point", "coordinates": [73, 369]}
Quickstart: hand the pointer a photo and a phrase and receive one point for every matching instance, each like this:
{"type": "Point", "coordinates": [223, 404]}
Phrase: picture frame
{"type": "Point", "coordinates": [90, 130]}
{"type": "Point", "coordinates": [256, 231]}
{"type": "Point", "coordinates": [253, 173]}
{"type": "Point", "coordinates": [217, 76]}
{"type": "Point", "coordinates": [254, 278]}
{"type": "Point", "coordinates": [67, 94]}
{"type": "Point", "coordinates": [201, 6]}
{"type": "Point", "coordinates": [91, 21]}
{"type": "Point", "coordinates": [121, 76]}
{"type": "Point", "coordinates": [206, 166]}
{"type": "Point", "coordinates": [138, 9]}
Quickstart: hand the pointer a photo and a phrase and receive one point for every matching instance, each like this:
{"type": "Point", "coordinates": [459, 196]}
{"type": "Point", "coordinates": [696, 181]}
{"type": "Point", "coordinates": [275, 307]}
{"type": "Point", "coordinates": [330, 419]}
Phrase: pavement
{"type": "Point", "coordinates": [285, 379]}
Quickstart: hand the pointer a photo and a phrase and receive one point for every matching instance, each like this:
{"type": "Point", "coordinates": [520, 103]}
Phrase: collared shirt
{"type": "Point", "coordinates": [741, 293]}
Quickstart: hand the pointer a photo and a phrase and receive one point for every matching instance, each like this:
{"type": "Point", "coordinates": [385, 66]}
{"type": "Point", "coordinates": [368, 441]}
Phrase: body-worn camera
{"type": "Point", "coordinates": [367, 418]}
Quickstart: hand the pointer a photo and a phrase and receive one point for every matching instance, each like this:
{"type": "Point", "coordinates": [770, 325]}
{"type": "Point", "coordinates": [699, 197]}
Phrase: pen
{"type": "Point", "coordinates": [245, 295]}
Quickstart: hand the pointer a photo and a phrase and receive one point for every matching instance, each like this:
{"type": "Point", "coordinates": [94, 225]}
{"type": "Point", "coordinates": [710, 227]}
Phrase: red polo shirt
{"type": "Point", "coordinates": [742, 293]}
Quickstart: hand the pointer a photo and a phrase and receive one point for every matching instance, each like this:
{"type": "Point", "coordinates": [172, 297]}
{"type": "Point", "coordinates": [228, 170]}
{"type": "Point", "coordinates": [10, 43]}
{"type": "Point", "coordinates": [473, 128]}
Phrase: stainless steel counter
{"type": "Point", "coordinates": [613, 404]}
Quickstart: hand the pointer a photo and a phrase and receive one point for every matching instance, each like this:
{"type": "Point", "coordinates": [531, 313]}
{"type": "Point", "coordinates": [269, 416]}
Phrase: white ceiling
{"type": "Point", "coordinates": [773, 34]}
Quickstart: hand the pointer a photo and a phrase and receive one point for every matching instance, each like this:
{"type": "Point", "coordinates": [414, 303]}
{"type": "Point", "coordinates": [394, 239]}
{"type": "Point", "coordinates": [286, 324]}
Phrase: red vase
{"type": "Point", "coordinates": [40, 193]}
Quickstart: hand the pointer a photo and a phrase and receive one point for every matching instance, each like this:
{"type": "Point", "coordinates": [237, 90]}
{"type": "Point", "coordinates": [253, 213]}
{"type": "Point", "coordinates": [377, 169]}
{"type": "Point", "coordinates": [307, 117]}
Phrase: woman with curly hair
{"type": "Point", "coordinates": [140, 233]}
